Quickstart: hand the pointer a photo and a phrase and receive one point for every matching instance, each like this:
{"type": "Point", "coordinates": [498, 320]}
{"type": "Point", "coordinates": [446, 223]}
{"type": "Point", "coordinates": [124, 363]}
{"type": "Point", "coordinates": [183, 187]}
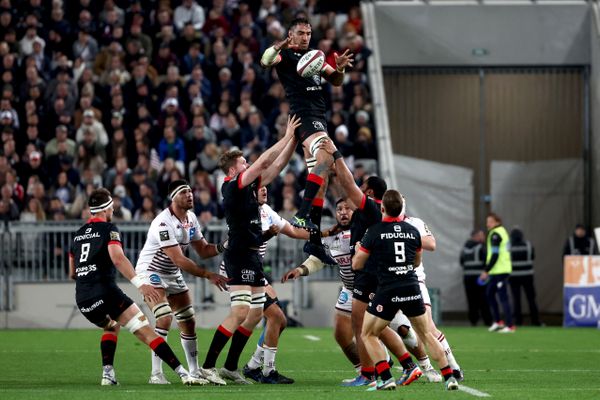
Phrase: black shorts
{"type": "Point", "coordinates": [110, 302]}
{"type": "Point", "coordinates": [310, 124]}
{"type": "Point", "coordinates": [365, 286]}
{"type": "Point", "coordinates": [244, 269]}
{"type": "Point", "coordinates": [387, 302]}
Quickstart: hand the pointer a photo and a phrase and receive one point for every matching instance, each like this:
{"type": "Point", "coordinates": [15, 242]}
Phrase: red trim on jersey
{"type": "Point", "coordinates": [95, 219]}
{"type": "Point", "coordinates": [391, 219]}
{"type": "Point", "coordinates": [378, 201]}
{"type": "Point", "coordinates": [227, 178]}
{"type": "Point", "coordinates": [224, 331]}
{"type": "Point", "coordinates": [109, 337]}
{"type": "Point", "coordinates": [244, 331]}
{"type": "Point", "coordinates": [363, 202]}
{"type": "Point", "coordinates": [364, 249]}
{"type": "Point", "coordinates": [318, 203]}
{"type": "Point", "coordinates": [156, 342]}
{"type": "Point", "coordinates": [115, 242]}
{"type": "Point", "coordinates": [404, 356]}
{"type": "Point", "coordinates": [315, 179]}
{"type": "Point", "coordinates": [239, 179]}
{"type": "Point", "coordinates": [382, 366]}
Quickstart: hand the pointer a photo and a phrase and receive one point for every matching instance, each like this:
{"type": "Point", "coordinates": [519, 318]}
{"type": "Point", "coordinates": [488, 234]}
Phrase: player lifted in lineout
{"type": "Point", "coordinates": [305, 96]}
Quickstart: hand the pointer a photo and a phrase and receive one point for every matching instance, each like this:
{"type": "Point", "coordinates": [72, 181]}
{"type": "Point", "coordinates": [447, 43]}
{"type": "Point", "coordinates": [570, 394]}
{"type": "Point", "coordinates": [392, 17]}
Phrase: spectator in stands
{"type": "Point", "coordinates": [34, 212]}
{"type": "Point", "coordinates": [61, 136]}
{"type": "Point", "coordinates": [80, 202]}
{"type": "Point", "coordinates": [6, 196]}
{"type": "Point", "coordinates": [148, 211]}
{"type": "Point", "coordinates": [120, 212]}
{"type": "Point", "coordinates": [34, 166]}
{"type": "Point", "coordinates": [255, 137]}
{"type": "Point", "coordinates": [86, 47]}
{"type": "Point", "coordinates": [205, 207]}
{"type": "Point", "coordinates": [189, 11]}
{"type": "Point", "coordinates": [18, 191]}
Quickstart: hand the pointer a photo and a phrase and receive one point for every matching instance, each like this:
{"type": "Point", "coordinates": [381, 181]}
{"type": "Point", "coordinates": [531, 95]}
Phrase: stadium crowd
{"type": "Point", "coordinates": [134, 94]}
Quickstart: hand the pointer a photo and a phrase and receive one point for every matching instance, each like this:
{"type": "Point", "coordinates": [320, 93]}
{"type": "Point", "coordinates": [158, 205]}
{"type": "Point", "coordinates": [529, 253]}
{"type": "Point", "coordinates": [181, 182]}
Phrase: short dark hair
{"type": "Point", "coordinates": [299, 21]}
{"type": "Point", "coordinates": [393, 203]}
{"type": "Point", "coordinates": [98, 197]}
{"type": "Point", "coordinates": [378, 186]}
{"type": "Point", "coordinates": [228, 160]}
{"type": "Point", "coordinates": [175, 184]}
{"type": "Point", "coordinates": [496, 217]}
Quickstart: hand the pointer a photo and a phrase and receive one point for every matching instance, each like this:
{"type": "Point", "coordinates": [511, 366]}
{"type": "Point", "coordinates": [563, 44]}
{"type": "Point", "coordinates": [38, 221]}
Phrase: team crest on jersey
{"type": "Point", "coordinates": [379, 308]}
{"type": "Point", "coordinates": [317, 79]}
{"type": "Point", "coordinates": [163, 235]}
{"type": "Point", "coordinates": [155, 279]}
{"type": "Point", "coordinates": [318, 125]}
{"type": "Point", "coordinates": [115, 236]}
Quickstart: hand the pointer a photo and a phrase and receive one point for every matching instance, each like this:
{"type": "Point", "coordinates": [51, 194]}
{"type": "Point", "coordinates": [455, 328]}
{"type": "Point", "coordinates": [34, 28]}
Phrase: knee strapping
{"type": "Point", "coordinates": [314, 145]}
{"type": "Point", "coordinates": [258, 300]}
{"type": "Point", "coordinates": [138, 321]}
{"type": "Point", "coordinates": [185, 314]}
{"type": "Point", "coordinates": [240, 298]}
{"type": "Point", "coordinates": [162, 310]}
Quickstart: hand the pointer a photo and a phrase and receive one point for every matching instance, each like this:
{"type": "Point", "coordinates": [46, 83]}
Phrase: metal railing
{"type": "Point", "coordinates": [38, 252]}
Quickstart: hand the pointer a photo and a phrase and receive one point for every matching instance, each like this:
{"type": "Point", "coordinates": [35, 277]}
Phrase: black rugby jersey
{"type": "Point", "coordinates": [305, 95]}
{"type": "Point", "coordinates": [396, 244]}
{"type": "Point", "coordinates": [367, 214]}
{"type": "Point", "coordinates": [89, 250]}
{"type": "Point", "coordinates": [242, 213]}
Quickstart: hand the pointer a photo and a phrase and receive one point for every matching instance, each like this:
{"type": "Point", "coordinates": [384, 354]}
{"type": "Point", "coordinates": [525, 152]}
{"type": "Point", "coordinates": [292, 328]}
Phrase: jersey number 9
{"type": "Point", "coordinates": [399, 251]}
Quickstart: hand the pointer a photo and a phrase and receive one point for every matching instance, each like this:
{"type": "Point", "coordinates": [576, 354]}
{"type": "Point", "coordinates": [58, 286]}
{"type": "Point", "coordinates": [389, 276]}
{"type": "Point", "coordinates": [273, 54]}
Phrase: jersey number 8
{"type": "Point", "coordinates": [85, 252]}
{"type": "Point", "coordinates": [399, 251]}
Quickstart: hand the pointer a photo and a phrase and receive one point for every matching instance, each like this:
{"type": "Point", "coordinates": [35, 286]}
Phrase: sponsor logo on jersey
{"type": "Point", "coordinates": [358, 292]}
{"type": "Point", "coordinates": [163, 235]}
{"type": "Point", "coordinates": [115, 236]}
{"type": "Point", "coordinates": [155, 279]}
{"type": "Point", "coordinates": [248, 275]}
{"type": "Point", "coordinates": [343, 297]}
{"type": "Point", "coordinates": [316, 79]}
{"type": "Point", "coordinates": [318, 125]}
{"type": "Point", "coordinates": [162, 224]}
{"type": "Point", "coordinates": [313, 88]}
{"type": "Point", "coordinates": [87, 236]}
{"type": "Point", "coordinates": [86, 269]}
{"type": "Point", "coordinates": [398, 299]}
{"type": "Point", "coordinates": [92, 307]}
{"type": "Point", "coordinates": [192, 232]}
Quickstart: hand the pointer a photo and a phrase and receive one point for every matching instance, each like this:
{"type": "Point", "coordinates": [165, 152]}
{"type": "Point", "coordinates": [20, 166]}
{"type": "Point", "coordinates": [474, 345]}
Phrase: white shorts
{"type": "Point", "coordinates": [171, 283]}
{"type": "Point", "coordinates": [425, 294]}
{"type": "Point", "coordinates": [344, 301]}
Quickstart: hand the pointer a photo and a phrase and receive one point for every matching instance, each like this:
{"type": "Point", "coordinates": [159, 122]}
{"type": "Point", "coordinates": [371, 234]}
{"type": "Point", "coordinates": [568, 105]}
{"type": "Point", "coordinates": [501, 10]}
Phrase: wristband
{"type": "Point", "coordinates": [337, 155]}
{"type": "Point", "coordinates": [269, 56]}
{"type": "Point", "coordinates": [137, 281]}
{"type": "Point", "coordinates": [220, 248]}
{"type": "Point", "coordinates": [341, 71]}
{"type": "Point", "coordinates": [303, 270]}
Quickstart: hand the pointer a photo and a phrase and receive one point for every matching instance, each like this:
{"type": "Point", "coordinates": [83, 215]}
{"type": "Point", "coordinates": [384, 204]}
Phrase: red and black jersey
{"type": "Point", "coordinates": [305, 95]}
{"type": "Point", "coordinates": [396, 244]}
{"type": "Point", "coordinates": [242, 213]}
{"type": "Point", "coordinates": [367, 214]}
{"type": "Point", "coordinates": [93, 265]}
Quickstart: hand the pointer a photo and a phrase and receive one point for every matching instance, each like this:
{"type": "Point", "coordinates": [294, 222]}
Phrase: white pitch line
{"type": "Point", "coordinates": [473, 392]}
{"type": "Point", "coordinates": [312, 338]}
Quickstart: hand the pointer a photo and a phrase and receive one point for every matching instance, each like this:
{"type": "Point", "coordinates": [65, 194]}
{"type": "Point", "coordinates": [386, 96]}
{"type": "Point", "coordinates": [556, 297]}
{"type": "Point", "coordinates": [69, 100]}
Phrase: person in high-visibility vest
{"type": "Point", "coordinates": [522, 255]}
{"type": "Point", "coordinates": [579, 243]}
{"type": "Point", "coordinates": [497, 270]}
{"type": "Point", "coordinates": [472, 260]}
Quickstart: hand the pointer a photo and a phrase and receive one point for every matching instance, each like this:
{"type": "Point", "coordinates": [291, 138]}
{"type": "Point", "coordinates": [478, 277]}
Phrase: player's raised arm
{"type": "Point", "coordinates": [271, 162]}
{"type": "Point", "coordinates": [271, 55]}
{"type": "Point", "coordinates": [335, 76]}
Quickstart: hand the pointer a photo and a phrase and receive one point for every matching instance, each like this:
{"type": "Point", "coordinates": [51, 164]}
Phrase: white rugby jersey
{"type": "Point", "coordinates": [167, 230]}
{"type": "Point", "coordinates": [339, 246]}
{"type": "Point", "coordinates": [423, 231]}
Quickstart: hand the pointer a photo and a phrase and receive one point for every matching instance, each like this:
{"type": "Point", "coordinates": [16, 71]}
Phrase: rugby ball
{"type": "Point", "coordinates": [311, 63]}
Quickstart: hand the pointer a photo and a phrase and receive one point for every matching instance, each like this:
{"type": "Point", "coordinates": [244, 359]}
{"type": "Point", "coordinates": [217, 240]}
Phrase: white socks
{"type": "Point", "coordinates": [190, 347]}
{"type": "Point", "coordinates": [269, 363]}
{"type": "Point", "coordinates": [449, 355]}
{"type": "Point", "coordinates": [257, 358]}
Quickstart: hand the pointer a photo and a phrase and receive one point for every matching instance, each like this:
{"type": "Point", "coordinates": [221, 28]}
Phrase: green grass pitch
{"type": "Point", "coordinates": [533, 363]}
